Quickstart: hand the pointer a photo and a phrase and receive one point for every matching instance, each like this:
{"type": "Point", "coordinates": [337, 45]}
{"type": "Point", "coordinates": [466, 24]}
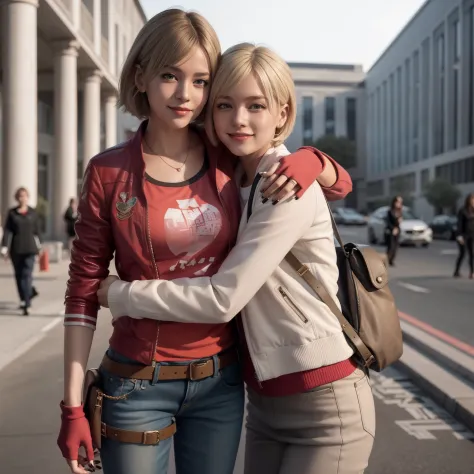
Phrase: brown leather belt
{"type": "Point", "coordinates": [138, 437]}
{"type": "Point", "coordinates": [192, 371]}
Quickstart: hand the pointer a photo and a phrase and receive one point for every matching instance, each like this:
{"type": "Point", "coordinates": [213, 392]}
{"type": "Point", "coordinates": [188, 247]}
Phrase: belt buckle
{"type": "Point", "coordinates": [197, 365]}
{"type": "Point", "coordinates": [149, 433]}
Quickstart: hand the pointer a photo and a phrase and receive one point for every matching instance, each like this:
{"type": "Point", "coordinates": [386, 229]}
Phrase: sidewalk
{"type": "Point", "coordinates": [19, 333]}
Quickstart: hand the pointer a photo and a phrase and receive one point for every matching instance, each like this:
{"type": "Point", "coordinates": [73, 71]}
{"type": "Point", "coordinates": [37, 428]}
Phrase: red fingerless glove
{"type": "Point", "coordinates": [74, 432]}
{"type": "Point", "coordinates": [304, 166]}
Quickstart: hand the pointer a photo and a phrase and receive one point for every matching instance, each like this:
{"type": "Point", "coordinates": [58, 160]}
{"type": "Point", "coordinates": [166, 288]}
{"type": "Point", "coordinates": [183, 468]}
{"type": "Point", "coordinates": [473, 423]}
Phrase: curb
{"type": "Point", "coordinates": [453, 394]}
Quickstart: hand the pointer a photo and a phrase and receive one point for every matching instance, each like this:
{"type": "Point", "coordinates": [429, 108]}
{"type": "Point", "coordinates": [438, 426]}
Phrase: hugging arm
{"type": "Point", "coordinates": [270, 234]}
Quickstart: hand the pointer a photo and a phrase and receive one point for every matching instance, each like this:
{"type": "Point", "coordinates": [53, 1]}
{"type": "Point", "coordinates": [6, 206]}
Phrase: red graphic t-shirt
{"type": "Point", "coordinates": [190, 238]}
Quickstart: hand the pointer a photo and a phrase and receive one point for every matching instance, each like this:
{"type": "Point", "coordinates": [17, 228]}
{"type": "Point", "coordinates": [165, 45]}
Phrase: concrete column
{"type": "Point", "coordinates": [112, 39]}
{"type": "Point", "coordinates": [20, 99]}
{"type": "Point", "coordinates": [91, 125]}
{"type": "Point", "coordinates": [65, 130]}
{"type": "Point", "coordinates": [76, 13]}
{"type": "Point", "coordinates": [110, 120]}
{"type": "Point", "coordinates": [97, 14]}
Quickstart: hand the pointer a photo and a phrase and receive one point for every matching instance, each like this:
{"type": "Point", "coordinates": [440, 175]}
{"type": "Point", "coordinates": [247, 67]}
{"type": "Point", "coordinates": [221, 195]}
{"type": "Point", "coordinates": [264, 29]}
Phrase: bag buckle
{"type": "Point", "coordinates": [151, 433]}
{"type": "Point", "coordinates": [369, 361]}
{"type": "Point", "coordinates": [195, 366]}
{"type": "Point", "coordinates": [302, 270]}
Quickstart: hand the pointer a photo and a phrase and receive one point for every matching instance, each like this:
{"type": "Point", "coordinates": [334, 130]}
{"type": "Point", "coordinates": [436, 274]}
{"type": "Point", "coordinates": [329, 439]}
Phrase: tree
{"type": "Point", "coordinates": [441, 194]}
{"type": "Point", "coordinates": [341, 149]}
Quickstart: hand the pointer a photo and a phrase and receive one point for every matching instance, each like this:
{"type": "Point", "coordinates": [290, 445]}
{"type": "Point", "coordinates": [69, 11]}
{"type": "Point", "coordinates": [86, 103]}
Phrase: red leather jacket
{"type": "Point", "coordinates": [113, 218]}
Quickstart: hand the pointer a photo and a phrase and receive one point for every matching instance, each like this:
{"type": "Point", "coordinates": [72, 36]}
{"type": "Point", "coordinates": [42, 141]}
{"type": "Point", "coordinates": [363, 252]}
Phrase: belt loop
{"type": "Point", "coordinates": [156, 373]}
{"type": "Point", "coordinates": [215, 359]}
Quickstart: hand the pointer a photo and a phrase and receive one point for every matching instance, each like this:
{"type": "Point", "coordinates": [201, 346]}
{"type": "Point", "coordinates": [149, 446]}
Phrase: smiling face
{"type": "Point", "coordinates": [178, 93]}
{"type": "Point", "coordinates": [243, 119]}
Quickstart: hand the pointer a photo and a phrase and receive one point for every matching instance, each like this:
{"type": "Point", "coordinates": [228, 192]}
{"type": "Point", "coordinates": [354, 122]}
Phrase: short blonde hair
{"type": "Point", "coordinates": [272, 74]}
{"type": "Point", "coordinates": [165, 40]}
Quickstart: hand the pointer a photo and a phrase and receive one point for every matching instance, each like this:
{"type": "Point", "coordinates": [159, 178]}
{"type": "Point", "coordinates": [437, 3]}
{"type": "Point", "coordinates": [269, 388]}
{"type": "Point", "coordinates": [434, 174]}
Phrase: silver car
{"type": "Point", "coordinates": [412, 230]}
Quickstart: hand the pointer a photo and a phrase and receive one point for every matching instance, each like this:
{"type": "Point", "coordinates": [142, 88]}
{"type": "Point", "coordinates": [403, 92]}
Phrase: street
{"type": "Point", "coordinates": [414, 435]}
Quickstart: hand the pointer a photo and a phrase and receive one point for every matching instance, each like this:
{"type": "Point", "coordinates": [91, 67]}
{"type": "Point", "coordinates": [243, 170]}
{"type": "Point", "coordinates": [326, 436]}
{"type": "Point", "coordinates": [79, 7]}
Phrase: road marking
{"type": "Point", "coordinates": [416, 289]}
{"type": "Point", "coordinates": [438, 333]}
{"type": "Point", "coordinates": [449, 252]}
{"type": "Point", "coordinates": [53, 323]}
{"type": "Point", "coordinates": [426, 416]}
{"type": "Point", "coordinates": [32, 341]}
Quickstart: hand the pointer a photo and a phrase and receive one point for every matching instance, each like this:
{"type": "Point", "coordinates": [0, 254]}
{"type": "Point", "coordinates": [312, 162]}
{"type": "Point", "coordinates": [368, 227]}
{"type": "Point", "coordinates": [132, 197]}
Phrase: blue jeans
{"type": "Point", "coordinates": [208, 415]}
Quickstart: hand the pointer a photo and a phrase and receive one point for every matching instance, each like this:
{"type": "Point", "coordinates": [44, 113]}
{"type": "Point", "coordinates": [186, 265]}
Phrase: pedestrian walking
{"type": "Point", "coordinates": [21, 241]}
{"type": "Point", "coordinates": [465, 236]}
{"type": "Point", "coordinates": [392, 228]}
{"type": "Point", "coordinates": [166, 203]}
{"type": "Point", "coordinates": [70, 218]}
{"type": "Point", "coordinates": [311, 408]}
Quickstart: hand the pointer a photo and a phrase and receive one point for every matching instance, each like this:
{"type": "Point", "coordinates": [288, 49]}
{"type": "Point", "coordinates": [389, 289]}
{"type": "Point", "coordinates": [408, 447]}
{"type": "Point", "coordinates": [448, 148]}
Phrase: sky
{"type": "Point", "coordinates": [322, 31]}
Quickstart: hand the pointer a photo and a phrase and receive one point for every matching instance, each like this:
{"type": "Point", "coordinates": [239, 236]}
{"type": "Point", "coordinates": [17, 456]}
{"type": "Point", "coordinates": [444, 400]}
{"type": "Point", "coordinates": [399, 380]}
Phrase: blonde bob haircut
{"type": "Point", "coordinates": [167, 39]}
{"type": "Point", "coordinates": [272, 74]}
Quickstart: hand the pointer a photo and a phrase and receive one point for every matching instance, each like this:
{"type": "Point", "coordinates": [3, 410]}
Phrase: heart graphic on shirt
{"type": "Point", "coordinates": [192, 227]}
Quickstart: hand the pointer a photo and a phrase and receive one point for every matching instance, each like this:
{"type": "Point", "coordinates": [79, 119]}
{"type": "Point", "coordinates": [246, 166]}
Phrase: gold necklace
{"type": "Point", "coordinates": [163, 160]}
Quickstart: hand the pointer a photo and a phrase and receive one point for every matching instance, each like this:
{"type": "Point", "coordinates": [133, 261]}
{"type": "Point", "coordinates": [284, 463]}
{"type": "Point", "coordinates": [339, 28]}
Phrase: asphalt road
{"type": "Point", "coordinates": [414, 436]}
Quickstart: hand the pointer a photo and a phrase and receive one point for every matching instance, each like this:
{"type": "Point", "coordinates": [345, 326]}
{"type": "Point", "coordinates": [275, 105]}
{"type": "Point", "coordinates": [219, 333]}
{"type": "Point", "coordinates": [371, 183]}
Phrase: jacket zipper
{"type": "Point", "coordinates": [157, 276]}
{"type": "Point", "coordinates": [292, 305]}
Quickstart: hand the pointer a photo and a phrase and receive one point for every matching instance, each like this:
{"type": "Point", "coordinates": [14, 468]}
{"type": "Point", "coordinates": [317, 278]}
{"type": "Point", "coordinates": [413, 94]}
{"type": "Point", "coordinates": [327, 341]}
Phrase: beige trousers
{"type": "Point", "coordinates": [329, 430]}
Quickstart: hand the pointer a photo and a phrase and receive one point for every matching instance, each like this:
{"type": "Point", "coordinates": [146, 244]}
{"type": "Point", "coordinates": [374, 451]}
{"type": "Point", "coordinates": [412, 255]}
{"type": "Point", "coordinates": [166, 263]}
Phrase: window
{"type": "Point", "coordinates": [384, 120]}
{"type": "Point", "coordinates": [458, 172]}
{"type": "Point", "coordinates": [45, 118]}
{"type": "Point", "coordinates": [43, 175]}
{"type": "Point", "coordinates": [351, 117]}
{"type": "Point", "coordinates": [416, 98]}
{"type": "Point", "coordinates": [425, 178]}
{"type": "Point", "coordinates": [471, 77]}
{"type": "Point", "coordinates": [439, 96]}
{"type": "Point", "coordinates": [406, 137]}
{"type": "Point", "coordinates": [455, 78]}
{"type": "Point", "coordinates": [375, 188]}
{"type": "Point", "coordinates": [330, 115]}
{"type": "Point", "coordinates": [307, 120]}
{"type": "Point", "coordinates": [425, 107]}
{"type": "Point", "coordinates": [399, 117]}
{"type": "Point", "coordinates": [391, 112]}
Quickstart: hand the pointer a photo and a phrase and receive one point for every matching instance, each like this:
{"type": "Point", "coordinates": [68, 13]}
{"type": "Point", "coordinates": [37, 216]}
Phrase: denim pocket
{"type": "Point", "coordinates": [118, 388]}
{"type": "Point", "coordinates": [366, 405]}
{"type": "Point", "coordinates": [231, 376]}
{"type": "Point", "coordinates": [115, 387]}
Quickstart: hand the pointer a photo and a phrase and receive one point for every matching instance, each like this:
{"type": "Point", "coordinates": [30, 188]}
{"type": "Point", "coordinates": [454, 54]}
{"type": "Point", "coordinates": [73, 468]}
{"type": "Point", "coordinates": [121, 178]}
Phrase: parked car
{"type": "Point", "coordinates": [412, 230]}
{"type": "Point", "coordinates": [444, 227]}
{"type": "Point", "coordinates": [348, 216]}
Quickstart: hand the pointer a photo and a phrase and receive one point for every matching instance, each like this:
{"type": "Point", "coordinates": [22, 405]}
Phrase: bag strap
{"type": "Point", "coordinates": [317, 286]}
{"type": "Point", "coordinates": [325, 297]}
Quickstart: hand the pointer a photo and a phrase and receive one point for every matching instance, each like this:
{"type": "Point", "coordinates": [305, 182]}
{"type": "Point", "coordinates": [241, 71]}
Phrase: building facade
{"type": "Point", "coordinates": [420, 106]}
{"type": "Point", "coordinates": [59, 67]}
{"type": "Point", "coordinates": [331, 101]}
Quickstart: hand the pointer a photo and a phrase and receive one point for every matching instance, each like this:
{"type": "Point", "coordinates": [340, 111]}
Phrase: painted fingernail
{"type": "Point", "coordinates": [274, 202]}
{"type": "Point", "coordinates": [264, 200]}
{"type": "Point", "coordinates": [296, 198]}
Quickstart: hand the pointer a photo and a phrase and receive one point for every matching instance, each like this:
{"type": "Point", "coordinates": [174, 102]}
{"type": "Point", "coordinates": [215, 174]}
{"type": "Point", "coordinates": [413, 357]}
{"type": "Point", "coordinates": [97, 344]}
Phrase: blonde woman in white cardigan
{"type": "Point", "coordinates": [310, 409]}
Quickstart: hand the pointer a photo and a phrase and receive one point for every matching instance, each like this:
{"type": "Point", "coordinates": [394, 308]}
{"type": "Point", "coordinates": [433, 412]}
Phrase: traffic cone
{"type": "Point", "coordinates": [44, 261]}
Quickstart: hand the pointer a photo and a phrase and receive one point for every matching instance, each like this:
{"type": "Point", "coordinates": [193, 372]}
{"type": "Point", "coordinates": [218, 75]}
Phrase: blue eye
{"type": "Point", "coordinates": [257, 107]}
{"type": "Point", "coordinates": [201, 82]}
{"type": "Point", "coordinates": [222, 106]}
